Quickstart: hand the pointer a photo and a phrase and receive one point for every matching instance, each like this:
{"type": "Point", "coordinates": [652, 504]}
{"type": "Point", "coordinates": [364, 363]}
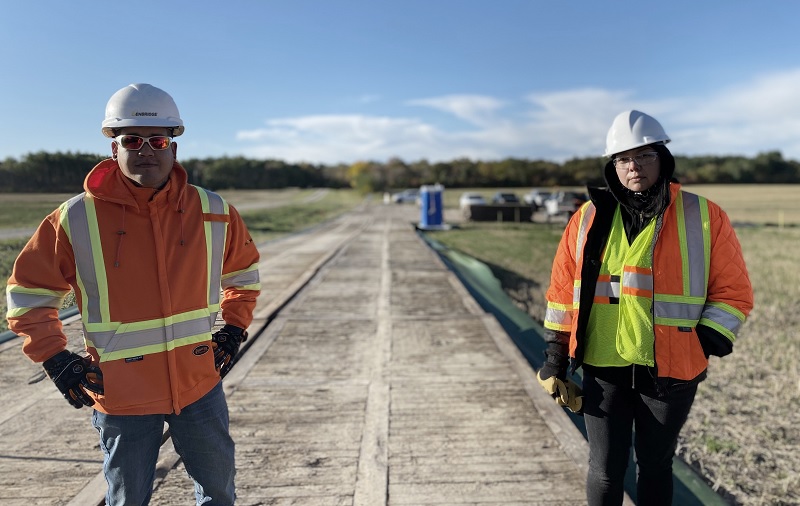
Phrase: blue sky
{"type": "Point", "coordinates": [330, 81]}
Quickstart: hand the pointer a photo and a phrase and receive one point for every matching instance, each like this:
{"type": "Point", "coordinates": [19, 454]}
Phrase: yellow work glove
{"type": "Point", "coordinates": [565, 392]}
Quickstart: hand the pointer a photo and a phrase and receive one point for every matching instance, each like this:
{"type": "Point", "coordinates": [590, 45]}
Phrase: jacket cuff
{"type": "Point", "coordinates": [713, 342]}
{"type": "Point", "coordinates": [556, 355]}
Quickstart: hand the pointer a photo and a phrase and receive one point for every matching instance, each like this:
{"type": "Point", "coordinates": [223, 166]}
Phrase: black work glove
{"type": "Point", "coordinates": [226, 342]}
{"type": "Point", "coordinates": [553, 374]}
{"type": "Point", "coordinates": [556, 359]}
{"type": "Point", "coordinates": [73, 376]}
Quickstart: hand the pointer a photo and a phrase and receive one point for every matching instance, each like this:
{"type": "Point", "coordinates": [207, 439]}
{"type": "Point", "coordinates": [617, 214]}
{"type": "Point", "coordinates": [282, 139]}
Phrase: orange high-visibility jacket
{"type": "Point", "coordinates": [150, 270]}
{"type": "Point", "coordinates": [698, 278]}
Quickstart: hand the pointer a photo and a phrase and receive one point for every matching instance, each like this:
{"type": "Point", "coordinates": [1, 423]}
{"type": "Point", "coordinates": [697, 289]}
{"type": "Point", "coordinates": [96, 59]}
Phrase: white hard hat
{"type": "Point", "coordinates": [632, 129]}
{"type": "Point", "coordinates": [141, 105]}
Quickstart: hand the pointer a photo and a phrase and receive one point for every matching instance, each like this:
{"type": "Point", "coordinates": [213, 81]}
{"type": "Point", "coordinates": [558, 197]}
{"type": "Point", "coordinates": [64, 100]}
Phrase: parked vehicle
{"type": "Point", "coordinates": [470, 199]}
{"type": "Point", "coordinates": [406, 196]}
{"type": "Point", "coordinates": [565, 203]}
{"type": "Point", "coordinates": [536, 197]}
{"type": "Point", "coordinates": [505, 198]}
{"type": "Point", "coordinates": [467, 200]}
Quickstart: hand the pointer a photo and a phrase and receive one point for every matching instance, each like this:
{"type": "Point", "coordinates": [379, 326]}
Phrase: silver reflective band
{"type": "Point", "coordinates": [84, 251]}
{"type": "Point", "coordinates": [113, 341]}
{"type": "Point", "coordinates": [722, 318]}
{"type": "Point", "coordinates": [696, 246]}
{"type": "Point", "coordinates": [677, 310]}
{"type": "Point", "coordinates": [18, 300]}
{"type": "Point", "coordinates": [246, 278]}
{"type": "Point", "coordinates": [607, 289]}
{"type": "Point", "coordinates": [558, 316]}
{"type": "Point", "coordinates": [637, 280]}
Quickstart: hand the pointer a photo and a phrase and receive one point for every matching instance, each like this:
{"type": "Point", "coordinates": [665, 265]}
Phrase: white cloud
{"type": "Point", "coordinates": [476, 109]}
{"type": "Point", "coordinates": [758, 115]}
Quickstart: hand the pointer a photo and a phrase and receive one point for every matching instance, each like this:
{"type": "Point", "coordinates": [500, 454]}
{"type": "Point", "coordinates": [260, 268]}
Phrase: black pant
{"type": "Point", "coordinates": [615, 401]}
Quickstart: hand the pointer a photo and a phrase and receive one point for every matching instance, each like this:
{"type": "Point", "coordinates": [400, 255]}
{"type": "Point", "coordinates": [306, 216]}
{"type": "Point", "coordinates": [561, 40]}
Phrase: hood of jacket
{"type": "Point", "coordinates": [639, 207]}
{"type": "Point", "coordinates": [106, 181]}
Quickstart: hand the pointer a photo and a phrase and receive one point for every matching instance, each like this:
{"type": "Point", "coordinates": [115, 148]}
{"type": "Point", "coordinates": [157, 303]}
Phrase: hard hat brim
{"type": "Point", "coordinates": [110, 125]}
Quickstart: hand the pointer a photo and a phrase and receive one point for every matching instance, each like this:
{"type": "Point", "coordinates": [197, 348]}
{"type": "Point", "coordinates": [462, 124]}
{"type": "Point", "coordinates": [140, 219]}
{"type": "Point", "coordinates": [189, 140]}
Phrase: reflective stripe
{"type": "Point", "coordinates": [240, 279]}
{"type": "Point", "coordinates": [638, 282]}
{"type": "Point", "coordinates": [607, 286]}
{"type": "Point", "coordinates": [20, 297]}
{"type": "Point", "coordinates": [558, 316]}
{"type": "Point", "coordinates": [79, 220]}
{"type": "Point", "coordinates": [583, 229]}
{"type": "Point", "coordinates": [641, 279]}
{"type": "Point", "coordinates": [674, 310]}
{"type": "Point", "coordinates": [588, 211]}
{"type": "Point", "coordinates": [695, 244]}
{"type": "Point", "coordinates": [215, 241]}
{"type": "Point", "coordinates": [132, 337]}
{"type": "Point", "coordinates": [154, 349]}
{"type": "Point", "coordinates": [726, 318]}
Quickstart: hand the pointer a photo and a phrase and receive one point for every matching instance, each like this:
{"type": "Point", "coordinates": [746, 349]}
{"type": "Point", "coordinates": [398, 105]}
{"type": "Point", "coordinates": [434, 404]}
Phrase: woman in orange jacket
{"type": "Point", "coordinates": [647, 283]}
{"type": "Point", "coordinates": [152, 261]}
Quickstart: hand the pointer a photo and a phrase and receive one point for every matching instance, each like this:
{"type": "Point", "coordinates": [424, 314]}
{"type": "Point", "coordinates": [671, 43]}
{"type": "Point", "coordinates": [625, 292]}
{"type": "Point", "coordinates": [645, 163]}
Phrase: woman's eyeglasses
{"type": "Point", "coordinates": [642, 159]}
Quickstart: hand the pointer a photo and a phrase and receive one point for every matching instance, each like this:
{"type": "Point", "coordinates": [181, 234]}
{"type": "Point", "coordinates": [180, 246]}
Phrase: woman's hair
{"type": "Point", "coordinates": [667, 161]}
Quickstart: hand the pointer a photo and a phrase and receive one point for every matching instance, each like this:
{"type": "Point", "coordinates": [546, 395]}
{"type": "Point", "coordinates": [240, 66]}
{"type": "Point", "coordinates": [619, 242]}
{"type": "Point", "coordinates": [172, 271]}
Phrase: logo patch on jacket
{"type": "Point", "coordinates": [138, 358]}
{"type": "Point", "coordinates": [200, 350]}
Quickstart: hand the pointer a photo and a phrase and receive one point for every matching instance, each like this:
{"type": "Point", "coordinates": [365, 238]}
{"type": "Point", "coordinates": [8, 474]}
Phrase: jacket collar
{"type": "Point", "coordinates": [107, 182]}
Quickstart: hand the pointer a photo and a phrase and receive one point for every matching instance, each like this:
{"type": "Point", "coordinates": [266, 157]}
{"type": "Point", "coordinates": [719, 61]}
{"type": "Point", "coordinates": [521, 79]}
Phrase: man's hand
{"type": "Point", "coordinates": [74, 375]}
{"type": "Point", "coordinates": [226, 342]}
{"type": "Point", "coordinates": [565, 392]}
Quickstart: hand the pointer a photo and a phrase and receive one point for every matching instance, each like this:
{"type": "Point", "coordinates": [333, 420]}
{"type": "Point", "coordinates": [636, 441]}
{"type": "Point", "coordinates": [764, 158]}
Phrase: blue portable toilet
{"type": "Point", "coordinates": [431, 207]}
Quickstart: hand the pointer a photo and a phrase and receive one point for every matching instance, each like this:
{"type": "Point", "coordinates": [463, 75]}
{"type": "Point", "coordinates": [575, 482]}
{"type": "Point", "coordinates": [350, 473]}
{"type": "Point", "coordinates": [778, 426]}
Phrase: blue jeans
{"type": "Point", "coordinates": [130, 445]}
{"type": "Point", "coordinates": [617, 399]}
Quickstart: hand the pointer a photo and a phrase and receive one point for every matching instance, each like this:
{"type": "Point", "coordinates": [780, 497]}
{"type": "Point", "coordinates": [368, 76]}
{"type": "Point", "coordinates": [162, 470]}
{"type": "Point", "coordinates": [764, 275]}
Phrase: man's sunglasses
{"type": "Point", "coordinates": [135, 142]}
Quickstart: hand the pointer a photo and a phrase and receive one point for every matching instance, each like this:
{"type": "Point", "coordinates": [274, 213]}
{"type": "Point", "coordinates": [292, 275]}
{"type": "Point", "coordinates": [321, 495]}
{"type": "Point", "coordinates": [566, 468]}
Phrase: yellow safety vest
{"type": "Point", "coordinates": [621, 321]}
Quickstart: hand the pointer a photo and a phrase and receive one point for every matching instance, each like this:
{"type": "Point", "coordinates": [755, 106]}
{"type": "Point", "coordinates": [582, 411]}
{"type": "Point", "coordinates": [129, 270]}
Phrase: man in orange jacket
{"type": "Point", "coordinates": [152, 261]}
{"type": "Point", "coordinates": [647, 283]}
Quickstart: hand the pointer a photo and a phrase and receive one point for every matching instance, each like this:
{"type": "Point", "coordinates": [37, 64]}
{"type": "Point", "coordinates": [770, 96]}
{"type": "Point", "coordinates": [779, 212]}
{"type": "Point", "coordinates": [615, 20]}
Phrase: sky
{"type": "Point", "coordinates": [340, 81]}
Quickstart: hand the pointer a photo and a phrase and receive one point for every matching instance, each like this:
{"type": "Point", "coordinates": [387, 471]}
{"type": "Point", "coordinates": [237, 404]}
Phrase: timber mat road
{"type": "Point", "coordinates": [372, 378]}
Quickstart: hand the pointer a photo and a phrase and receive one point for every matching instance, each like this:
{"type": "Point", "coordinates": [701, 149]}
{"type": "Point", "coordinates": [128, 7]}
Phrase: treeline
{"type": "Point", "coordinates": [65, 172]}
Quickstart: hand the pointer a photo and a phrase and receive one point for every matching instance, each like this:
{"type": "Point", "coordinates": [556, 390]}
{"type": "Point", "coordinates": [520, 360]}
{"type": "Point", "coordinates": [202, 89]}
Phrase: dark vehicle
{"type": "Point", "coordinates": [505, 198]}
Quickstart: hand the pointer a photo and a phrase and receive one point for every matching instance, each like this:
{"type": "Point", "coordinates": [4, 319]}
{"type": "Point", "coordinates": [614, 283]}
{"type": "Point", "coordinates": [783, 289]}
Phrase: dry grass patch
{"type": "Point", "coordinates": [744, 429]}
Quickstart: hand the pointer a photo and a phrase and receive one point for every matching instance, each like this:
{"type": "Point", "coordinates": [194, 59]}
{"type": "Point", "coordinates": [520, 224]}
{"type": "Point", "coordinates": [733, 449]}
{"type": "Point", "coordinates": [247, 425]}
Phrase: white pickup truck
{"type": "Point", "coordinates": [564, 203]}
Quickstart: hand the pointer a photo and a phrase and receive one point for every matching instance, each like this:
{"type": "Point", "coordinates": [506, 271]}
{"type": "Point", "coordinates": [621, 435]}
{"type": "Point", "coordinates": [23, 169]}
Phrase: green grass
{"type": "Point", "coordinates": [23, 210]}
{"type": "Point", "coordinates": [517, 247]}
{"type": "Point", "coordinates": [9, 249]}
{"type": "Point", "coordinates": [271, 223]}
